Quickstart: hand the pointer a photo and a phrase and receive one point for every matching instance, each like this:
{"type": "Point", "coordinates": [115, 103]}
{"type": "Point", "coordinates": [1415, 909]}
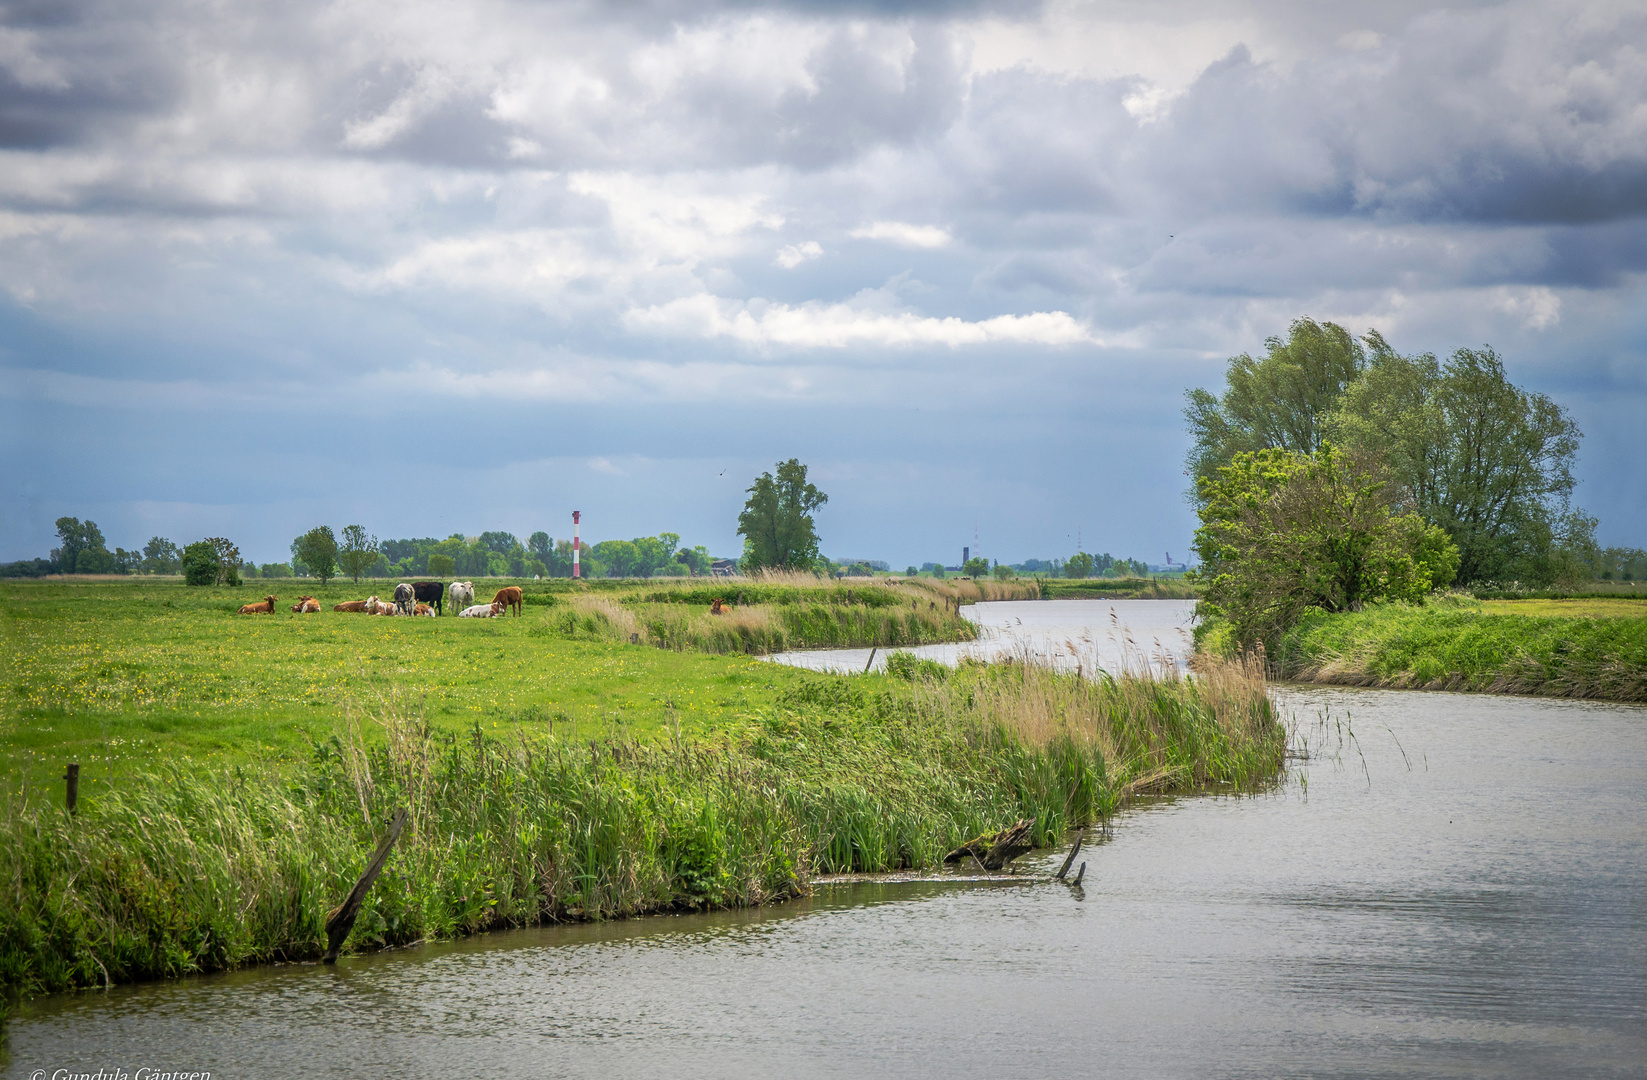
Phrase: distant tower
{"type": "Point", "coordinates": [966, 553]}
{"type": "Point", "coordinates": [575, 515]}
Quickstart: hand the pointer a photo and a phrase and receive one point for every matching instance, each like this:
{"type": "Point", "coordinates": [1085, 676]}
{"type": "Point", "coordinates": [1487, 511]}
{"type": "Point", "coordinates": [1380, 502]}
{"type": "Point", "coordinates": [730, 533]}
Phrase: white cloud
{"type": "Point", "coordinates": [1536, 308]}
{"type": "Point", "coordinates": [792, 255]}
{"type": "Point", "coordinates": [834, 326]}
{"type": "Point", "coordinates": [904, 234]}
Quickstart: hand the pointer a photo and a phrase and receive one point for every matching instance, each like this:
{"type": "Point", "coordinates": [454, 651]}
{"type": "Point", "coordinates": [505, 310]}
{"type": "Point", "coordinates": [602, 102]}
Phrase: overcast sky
{"type": "Point", "coordinates": [449, 266]}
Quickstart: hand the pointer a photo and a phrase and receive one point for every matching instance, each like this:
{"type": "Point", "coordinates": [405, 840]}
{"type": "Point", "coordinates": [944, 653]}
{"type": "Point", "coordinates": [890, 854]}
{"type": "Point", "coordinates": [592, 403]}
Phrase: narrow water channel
{"type": "Point", "coordinates": [1451, 885]}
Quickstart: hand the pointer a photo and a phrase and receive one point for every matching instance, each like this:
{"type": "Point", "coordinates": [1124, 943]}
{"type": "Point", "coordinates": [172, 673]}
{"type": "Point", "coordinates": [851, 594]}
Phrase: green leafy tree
{"type": "Point", "coordinates": [357, 553]}
{"type": "Point", "coordinates": [212, 561]}
{"type": "Point", "coordinates": [1487, 461]}
{"type": "Point", "coordinates": [317, 548]}
{"type": "Point", "coordinates": [161, 556]}
{"type": "Point", "coordinates": [1280, 401]}
{"type": "Point", "coordinates": [441, 565]}
{"type": "Point", "coordinates": [540, 546]}
{"type": "Point", "coordinates": [776, 522]}
{"type": "Point", "coordinates": [621, 557]}
{"type": "Point", "coordinates": [83, 549]}
{"type": "Point", "coordinates": [975, 568]}
{"type": "Point", "coordinates": [1003, 572]}
{"type": "Point", "coordinates": [696, 559]}
{"type": "Point", "coordinates": [913, 571]}
{"type": "Point", "coordinates": [1284, 532]}
{"type": "Point", "coordinates": [1079, 565]}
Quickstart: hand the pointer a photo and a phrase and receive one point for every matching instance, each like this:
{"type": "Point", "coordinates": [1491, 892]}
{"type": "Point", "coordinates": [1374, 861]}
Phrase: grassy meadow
{"type": "Point", "coordinates": [236, 769]}
{"type": "Point", "coordinates": [1584, 648]}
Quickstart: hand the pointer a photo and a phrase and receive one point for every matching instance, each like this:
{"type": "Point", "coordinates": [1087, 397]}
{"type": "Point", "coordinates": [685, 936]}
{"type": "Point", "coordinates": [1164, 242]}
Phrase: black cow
{"type": "Point", "coordinates": [429, 592]}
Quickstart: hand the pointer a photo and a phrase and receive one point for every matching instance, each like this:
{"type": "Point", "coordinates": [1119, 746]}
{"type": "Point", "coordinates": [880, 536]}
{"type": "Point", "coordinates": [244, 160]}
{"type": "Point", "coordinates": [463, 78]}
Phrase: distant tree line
{"type": "Point", "coordinates": [356, 554]}
{"type": "Point", "coordinates": [83, 550]}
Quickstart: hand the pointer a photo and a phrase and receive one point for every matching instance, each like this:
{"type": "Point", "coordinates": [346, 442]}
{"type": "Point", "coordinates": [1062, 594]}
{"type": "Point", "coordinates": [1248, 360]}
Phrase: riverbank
{"type": "Point", "coordinates": [1577, 649]}
{"type": "Point", "coordinates": [168, 871]}
{"type": "Point", "coordinates": [1118, 589]}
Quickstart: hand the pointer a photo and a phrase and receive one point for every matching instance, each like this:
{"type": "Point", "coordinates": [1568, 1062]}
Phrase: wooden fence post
{"type": "Point", "coordinates": [342, 919]}
{"type": "Point", "coordinates": [72, 778]}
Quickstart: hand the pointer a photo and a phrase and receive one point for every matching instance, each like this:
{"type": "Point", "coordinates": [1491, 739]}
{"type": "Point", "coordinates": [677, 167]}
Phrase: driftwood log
{"type": "Point", "coordinates": [993, 852]}
{"type": "Point", "coordinates": [342, 918]}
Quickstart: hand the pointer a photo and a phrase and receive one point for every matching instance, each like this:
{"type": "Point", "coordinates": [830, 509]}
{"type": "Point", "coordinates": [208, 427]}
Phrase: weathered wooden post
{"type": "Point", "coordinates": [1070, 861]}
{"type": "Point", "coordinates": [71, 777]}
{"type": "Point", "coordinates": [342, 919]}
{"type": "Point", "coordinates": [871, 663]}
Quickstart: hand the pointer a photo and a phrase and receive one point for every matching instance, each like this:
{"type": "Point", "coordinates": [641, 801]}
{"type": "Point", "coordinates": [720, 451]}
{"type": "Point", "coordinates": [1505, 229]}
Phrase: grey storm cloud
{"type": "Point", "coordinates": [839, 222]}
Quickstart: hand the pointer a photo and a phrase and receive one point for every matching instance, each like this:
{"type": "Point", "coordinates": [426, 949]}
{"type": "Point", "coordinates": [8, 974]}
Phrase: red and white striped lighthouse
{"type": "Point", "coordinates": [575, 515]}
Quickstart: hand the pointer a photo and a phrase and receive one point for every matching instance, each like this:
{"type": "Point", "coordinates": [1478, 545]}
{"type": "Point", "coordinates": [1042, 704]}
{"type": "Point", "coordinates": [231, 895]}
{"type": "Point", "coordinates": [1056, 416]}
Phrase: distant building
{"type": "Point", "coordinates": [723, 567]}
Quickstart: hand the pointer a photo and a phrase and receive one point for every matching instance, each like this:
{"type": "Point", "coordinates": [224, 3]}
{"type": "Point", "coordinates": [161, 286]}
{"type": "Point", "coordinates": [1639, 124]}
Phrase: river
{"type": "Point", "coordinates": [1451, 885]}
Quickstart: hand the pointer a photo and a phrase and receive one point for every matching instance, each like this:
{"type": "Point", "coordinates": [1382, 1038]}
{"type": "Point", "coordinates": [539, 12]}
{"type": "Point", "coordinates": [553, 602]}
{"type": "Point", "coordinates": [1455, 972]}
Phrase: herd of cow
{"type": "Point", "coordinates": [416, 598]}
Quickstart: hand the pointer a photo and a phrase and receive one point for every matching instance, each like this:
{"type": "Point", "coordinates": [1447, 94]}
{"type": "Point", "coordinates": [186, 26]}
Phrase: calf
{"type": "Point", "coordinates": [306, 605]}
{"type": "Point", "coordinates": [404, 598]}
{"type": "Point", "coordinates": [266, 607]}
{"type": "Point", "coordinates": [374, 606]}
{"type": "Point", "coordinates": [463, 594]}
{"type": "Point", "coordinates": [509, 597]}
{"type": "Point", "coordinates": [482, 611]}
{"type": "Point", "coordinates": [429, 592]}
{"type": "Point", "coordinates": [351, 605]}
{"type": "Point", "coordinates": [720, 607]}
{"type": "Point", "coordinates": [424, 609]}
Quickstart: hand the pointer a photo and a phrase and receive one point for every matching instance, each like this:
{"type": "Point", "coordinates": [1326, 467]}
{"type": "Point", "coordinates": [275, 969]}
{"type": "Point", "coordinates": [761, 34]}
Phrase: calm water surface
{"type": "Point", "coordinates": [1112, 634]}
{"type": "Point", "coordinates": [1458, 888]}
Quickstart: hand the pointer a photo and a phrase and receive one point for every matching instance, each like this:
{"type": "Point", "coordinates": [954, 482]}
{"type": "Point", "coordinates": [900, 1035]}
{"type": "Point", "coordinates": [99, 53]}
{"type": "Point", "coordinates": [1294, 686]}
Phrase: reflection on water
{"type": "Point", "coordinates": [1115, 635]}
{"type": "Point", "coordinates": [1451, 885]}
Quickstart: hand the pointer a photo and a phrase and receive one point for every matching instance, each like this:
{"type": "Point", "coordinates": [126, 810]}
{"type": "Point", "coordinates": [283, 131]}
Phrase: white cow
{"type": "Point", "coordinates": [481, 611]}
{"type": "Point", "coordinates": [463, 594]}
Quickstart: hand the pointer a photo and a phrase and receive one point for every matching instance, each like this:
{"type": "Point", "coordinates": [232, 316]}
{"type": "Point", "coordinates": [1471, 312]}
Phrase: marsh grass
{"type": "Point", "coordinates": [179, 872]}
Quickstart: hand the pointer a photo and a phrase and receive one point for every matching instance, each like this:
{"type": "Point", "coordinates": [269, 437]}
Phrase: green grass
{"type": "Point", "coordinates": [237, 770]}
{"type": "Point", "coordinates": [1459, 644]}
{"type": "Point", "coordinates": [138, 672]}
{"type": "Point", "coordinates": [1119, 589]}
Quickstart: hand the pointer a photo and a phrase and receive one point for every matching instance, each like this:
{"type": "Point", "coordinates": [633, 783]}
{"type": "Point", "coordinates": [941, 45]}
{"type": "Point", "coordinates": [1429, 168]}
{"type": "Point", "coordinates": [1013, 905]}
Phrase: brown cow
{"type": "Point", "coordinates": [423, 609]}
{"type": "Point", "coordinates": [306, 605]}
{"type": "Point", "coordinates": [266, 607]}
{"type": "Point", "coordinates": [720, 607]}
{"type": "Point", "coordinates": [509, 597]}
{"type": "Point", "coordinates": [350, 605]}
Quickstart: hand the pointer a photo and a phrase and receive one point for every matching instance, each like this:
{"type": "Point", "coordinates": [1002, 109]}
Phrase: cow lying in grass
{"type": "Point", "coordinates": [374, 606]}
{"type": "Point", "coordinates": [306, 605]}
{"type": "Point", "coordinates": [266, 607]}
{"type": "Point", "coordinates": [720, 607]}
{"type": "Point", "coordinates": [508, 596]}
{"type": "Point", "coordinates": [424, 609]}
{"type": "Point", "coordinates": [358, 606]}
{"type": "Point", "coordinates": [482, 611]}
